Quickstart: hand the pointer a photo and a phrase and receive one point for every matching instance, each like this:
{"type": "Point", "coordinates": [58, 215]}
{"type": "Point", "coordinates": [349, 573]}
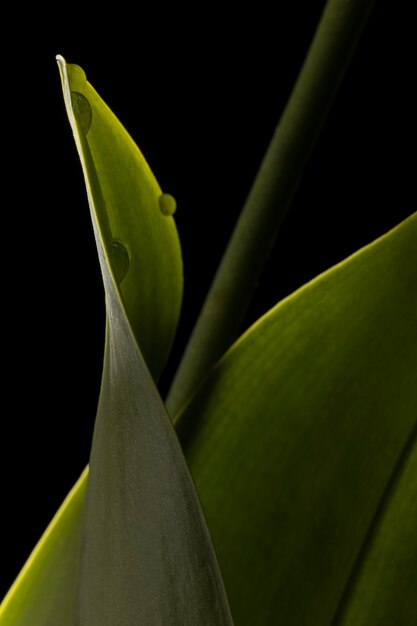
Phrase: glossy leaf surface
{"type": "Point", "coordinates": [295, 436]}
{"type": "Point", "coordinates": [138, 550]}
{"type": "Point", "coordinates": [44, 593]}
{"type": "Point", "coordinates": [140, 240]}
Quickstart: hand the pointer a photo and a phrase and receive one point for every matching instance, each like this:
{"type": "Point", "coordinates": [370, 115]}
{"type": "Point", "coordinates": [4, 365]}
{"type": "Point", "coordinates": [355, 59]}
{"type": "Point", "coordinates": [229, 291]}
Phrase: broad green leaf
{"type": "Point", "coordinates": [383, 590]}
{"type": "Point", "coordinates": [136, 550]}
{"type": "Point", "coordinates": [129, 211]}
{"type": "Point", "coordinates": [293, 439]}
{"type": "Point", "coordinates": [44, 594]}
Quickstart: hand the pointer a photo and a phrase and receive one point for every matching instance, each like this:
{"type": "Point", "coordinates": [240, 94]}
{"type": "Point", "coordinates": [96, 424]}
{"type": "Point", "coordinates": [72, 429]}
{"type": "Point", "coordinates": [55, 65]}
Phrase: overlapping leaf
{"type": "Point", "coordinates": [145, 554]}
{"type": "Point", "coordinates": [301, 440]}
{"type": "Point", "coordinates": [139, 240]}
{"type": "Point", "coordinates": [44, 594]}
{"type": "Point", "coordinates": [297, 435]}
{"type": "Point", "coordinates": [382, 590]}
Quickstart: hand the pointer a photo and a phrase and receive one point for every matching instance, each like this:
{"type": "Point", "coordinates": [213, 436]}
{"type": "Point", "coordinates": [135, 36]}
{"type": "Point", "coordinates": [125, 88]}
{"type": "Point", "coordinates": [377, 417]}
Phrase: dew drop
{"type": "Point", "coordinates": [76, 76]}
{"type": "Point", "coordinates": [167, 204]}
{"type": "Point", "coordinates": [82, 111]}
{"type": "Point", "coordinates": [119, 259]}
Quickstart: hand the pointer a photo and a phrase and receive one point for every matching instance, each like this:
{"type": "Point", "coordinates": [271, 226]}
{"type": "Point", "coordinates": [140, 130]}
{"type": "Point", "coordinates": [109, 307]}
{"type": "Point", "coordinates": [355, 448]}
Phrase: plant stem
{"type": "Point", "coordinates": [227, 301]}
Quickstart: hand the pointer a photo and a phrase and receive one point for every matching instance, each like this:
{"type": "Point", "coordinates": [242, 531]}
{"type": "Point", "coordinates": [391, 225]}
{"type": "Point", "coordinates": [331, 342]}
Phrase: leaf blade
{"type": "Point", "coordinates": [74, 586]}
{"type": "Point", "coordinates": [124, 198]}
{"type": "Point", "coordinates": [311, 435]}
{"type": "Point", "coordinates": [143, 526]}
{"type": "Point", "coordinates": [382, 588]}
{"type": "Point", "coordinates": [45, 589]}
{"type": "Point", "coordinates": [147, 555]}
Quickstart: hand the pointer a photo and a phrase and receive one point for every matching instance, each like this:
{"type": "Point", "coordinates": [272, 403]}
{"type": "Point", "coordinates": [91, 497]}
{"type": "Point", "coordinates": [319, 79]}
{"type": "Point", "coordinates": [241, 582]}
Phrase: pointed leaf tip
{"type": "Point", "coordinates": [130, 227]}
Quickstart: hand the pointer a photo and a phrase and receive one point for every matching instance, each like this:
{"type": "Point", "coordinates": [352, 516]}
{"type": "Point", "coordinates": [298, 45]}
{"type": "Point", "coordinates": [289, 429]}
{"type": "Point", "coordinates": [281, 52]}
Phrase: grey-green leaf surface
{"type": "Point", "coordinates": [295, 438]}
{"type": "Point", "coordinates": [146, 553]}
{"type": "Point", "coordinates": [147, 556]}
{"type": "Point", "coordinates": [136, 549]}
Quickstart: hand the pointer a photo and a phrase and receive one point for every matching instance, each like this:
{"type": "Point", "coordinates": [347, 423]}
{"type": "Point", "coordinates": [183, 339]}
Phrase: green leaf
{"type": "Point", "coordinates": [138, 235]}
{"type": "Point", "coordinates": [44, 593]}
{"type": "Point", "coordinates": [140, 551]}
{"type": "Point", "coordinates": [383, 587]}
{"type": "Point", "coordinates": [295, 435]}
{"type": "Point", "coordinates": [147, 556]}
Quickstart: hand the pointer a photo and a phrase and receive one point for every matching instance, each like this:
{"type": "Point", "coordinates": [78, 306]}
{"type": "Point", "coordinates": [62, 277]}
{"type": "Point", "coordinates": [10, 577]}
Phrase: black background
{"type": "Point", "coordinates": [200, 92]}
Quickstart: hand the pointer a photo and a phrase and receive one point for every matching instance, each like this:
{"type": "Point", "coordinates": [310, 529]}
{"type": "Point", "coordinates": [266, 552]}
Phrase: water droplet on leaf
{"type": "Point", "coordinates": [119, 260]}
{"type": "Point", "coordinates": [76, 76]}
{"type": "Point", "coordinates": [167, 204]}
{"type": "Point", "coordinates": [82, 111]}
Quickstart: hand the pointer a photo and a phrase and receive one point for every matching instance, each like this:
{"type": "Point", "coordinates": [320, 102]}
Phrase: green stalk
{"type": "Point", "coordinates": [227, 301]}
